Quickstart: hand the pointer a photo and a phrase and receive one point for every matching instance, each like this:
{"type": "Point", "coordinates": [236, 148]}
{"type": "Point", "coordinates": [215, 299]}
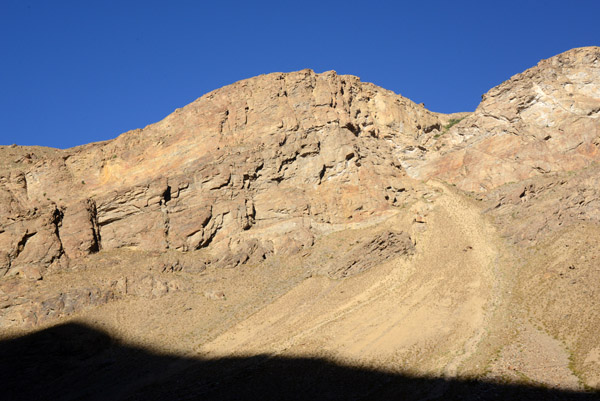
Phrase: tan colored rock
{"type": "Point", "coordinates": [32, 241]}
{"type": "Point", "coordinates": [4, 263]}
{"type": "Point", "coordinates": [240, 159]}
{"type": "Point", "coordinates": [79, 230]}
{"type": "Point", "coordinates": [289, 156]}
{"type": "Point", "coordinates": [30, 272]}
{"type": "Point", "coordinates": [370, 252]}
{"type": "Point", "coordinates": [543, 120]}
{"type": "Point", "coordinates": [538, 207]}
{"type": "Point", "coordinates": [148, 286]}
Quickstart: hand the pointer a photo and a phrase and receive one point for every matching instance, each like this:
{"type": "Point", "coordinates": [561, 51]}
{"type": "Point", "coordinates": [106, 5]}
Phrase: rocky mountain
{"type": "Point", "coordinates": [441, 244]}
{"type": "Point", "coordinates": [280, 153]}
{"type": "Point", "coordinates": [541, 121]}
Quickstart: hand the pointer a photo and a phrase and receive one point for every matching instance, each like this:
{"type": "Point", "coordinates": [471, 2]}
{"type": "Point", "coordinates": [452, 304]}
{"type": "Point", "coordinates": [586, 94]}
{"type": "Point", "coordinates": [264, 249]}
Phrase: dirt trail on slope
{"type": "Point", "coordinates": [425, 315]}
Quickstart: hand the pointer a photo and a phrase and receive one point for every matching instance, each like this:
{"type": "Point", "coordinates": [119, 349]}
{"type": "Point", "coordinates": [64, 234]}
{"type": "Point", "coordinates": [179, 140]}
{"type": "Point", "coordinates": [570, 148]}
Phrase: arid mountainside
{"type": "Point", "coordinates": [283, 154]}
{"type": "Point", "coordinates": [540, 121]}
{"type": "Point", "coordinates": [317, 216]}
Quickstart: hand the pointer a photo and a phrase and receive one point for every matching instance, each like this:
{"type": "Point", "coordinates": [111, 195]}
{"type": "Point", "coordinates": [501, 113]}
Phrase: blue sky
{"type": "Point", "coordinates": [73, 72]}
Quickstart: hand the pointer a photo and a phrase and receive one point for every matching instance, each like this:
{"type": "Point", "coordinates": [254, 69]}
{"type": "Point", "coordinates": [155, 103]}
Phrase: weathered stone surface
{"type": "Point", "coordinates": [24, 304]}
{"type": "Point", "coordinates": [251, 157]}
{"type": "Point", "coordinates": [251, 251]}
{"type": "Point", "coordinates": [533, 209]}
{"type": "Point", "coordinates": [296, 241]}
{"type": "Point", "coordinates": [147, 286]}
{"type": "Point", "coordinates": [174, 265]}
{"type": "Point", "coordinates": [32, 240]}
{"type": "Point", "coordinates": [32, 309]}
{"type": "Point", "coordinates": [4, 262]}
{"type": "Point", "coordinates": [79, 230]}
{"type": "Point", "coordinates": [543, 120]}
{"type": "Point", "coordinates": [370, 252]}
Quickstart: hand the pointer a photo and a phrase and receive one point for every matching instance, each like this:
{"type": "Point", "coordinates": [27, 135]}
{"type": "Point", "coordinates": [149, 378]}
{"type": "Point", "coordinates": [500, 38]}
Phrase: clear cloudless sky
{"type": "Point", "coordinates": [73, 72]}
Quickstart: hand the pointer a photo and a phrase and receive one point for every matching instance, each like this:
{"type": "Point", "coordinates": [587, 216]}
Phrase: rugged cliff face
{"type": "Point", "coordinates": [543, 120]}
{"type": "Point", "coordinates": [288, 155]}
{"type": "Point", "coordinates": [400, 238]}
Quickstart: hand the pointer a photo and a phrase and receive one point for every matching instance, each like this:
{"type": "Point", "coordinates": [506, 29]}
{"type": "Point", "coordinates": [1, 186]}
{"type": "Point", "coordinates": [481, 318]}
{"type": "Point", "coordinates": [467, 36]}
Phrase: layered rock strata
{"type": "Point", "coordinates": [260, 166]}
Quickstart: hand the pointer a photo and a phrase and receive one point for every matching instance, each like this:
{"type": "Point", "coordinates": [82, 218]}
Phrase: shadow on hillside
{"type": "Point", "coordinates": [73, 361]}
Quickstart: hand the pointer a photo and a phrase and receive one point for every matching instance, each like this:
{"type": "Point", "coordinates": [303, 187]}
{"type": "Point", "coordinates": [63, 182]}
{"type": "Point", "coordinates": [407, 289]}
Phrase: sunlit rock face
{"type": "Point", "coordinates": [274, 159]}
{"type": "Point", "coordinates": [546, 119]}
{"type": "Point", "coordinates": [280, 158]}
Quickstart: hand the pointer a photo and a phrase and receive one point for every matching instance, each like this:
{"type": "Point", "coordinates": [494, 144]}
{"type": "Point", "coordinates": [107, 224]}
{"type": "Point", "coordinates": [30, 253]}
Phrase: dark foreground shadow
{"type": "Point", "coordinates": [76, 362]}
